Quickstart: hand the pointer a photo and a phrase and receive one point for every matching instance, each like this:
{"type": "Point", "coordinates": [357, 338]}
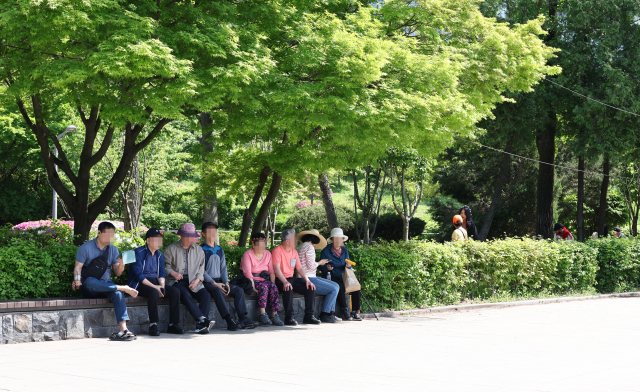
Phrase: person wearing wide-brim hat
{"type": "Point", "coordinates": [184, 264]}
{"type": "Point", "coordinates": [337, 255]}
{"type": "Point", "coordinates": [310, 241]}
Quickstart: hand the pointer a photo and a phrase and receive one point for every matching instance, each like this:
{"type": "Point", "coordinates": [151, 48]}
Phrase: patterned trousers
{"type": "Point", "coordinates": [267, 292]}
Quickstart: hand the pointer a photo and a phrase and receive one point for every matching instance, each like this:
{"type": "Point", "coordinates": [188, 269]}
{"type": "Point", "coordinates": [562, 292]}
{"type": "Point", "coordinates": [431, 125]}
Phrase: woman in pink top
{"type": "Point", "coordinates": [312, 240]}
{"type": "Point", "coordinates": [256, 265]}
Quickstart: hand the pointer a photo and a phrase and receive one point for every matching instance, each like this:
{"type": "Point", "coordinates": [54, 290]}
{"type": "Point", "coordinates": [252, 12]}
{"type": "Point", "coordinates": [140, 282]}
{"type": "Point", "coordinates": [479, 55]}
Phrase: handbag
{"type": "Point", "coordinates": [350, 281]}
{"type": "Point", "coordinates": [96, 267]}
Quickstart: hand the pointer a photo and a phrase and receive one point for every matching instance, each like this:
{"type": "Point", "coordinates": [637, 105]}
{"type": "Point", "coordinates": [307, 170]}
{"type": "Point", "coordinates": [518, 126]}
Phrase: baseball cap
{"type": "Point", "coordinates": [457, 219]}
{"type": "Point", "coordinates": [206, 225]}
{"type": "Point", "coordinates": [153, 232]}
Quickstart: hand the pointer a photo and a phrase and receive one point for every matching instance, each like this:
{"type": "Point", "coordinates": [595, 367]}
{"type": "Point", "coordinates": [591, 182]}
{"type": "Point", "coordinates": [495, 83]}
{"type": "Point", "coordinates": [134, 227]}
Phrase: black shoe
{"type": "Point", "coordinates": [327, 318]}
{"type": "Point", "coordinates": [355, 316]}
{"type": "Point", "coordinates": [231, 325]}
{"type": "Point", "coordinates": [176, 329]}
{"type": "Point", "coordinates": [346, 316]}
{"type": "Point", "coordinates": [248, 324]}
{"type": "Point", "coordinates": [290, 321]}
{"type": "Point", "coordinates": [153, 330]}
{"type": "Point", "coordinates": [310, 319]}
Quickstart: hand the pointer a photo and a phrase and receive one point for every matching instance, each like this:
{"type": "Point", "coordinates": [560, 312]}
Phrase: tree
{"type": "Point", "coordinates": [327, 200]}
{"type": "Point", "coordinates": [130, 68]}
{"type": "Point", "coordinates": [369, 201]}
{"type": "Point", "coordinates": [407, 169]}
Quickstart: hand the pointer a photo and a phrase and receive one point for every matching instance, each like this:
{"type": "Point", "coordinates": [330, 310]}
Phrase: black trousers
{"type": "Point", "coordinates": [300, 287]}
{"type": "Point", "coordinates": [186, 297]}
{"type": "Point", "coordinates": [238, 300]}
{"type": "Point", "coordinates": [341, 301]}
{"type": "Point", "coordinates": [152, 296]}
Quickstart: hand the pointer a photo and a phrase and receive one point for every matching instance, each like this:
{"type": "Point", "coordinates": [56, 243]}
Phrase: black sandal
{"type": "Point", "coordinates": [125, 337]}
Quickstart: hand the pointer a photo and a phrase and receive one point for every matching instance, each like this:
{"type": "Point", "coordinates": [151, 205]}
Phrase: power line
{"type": "Point", "coordinates": [544, 163]}
{"type": "Point", "coordinates": [594, 100]}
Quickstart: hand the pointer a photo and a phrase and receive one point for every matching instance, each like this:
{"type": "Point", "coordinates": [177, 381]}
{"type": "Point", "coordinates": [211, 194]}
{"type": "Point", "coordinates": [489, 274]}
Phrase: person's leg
{"type": "Point", "coordinates": [300, 287]}
{"type": "Point", "coordinates": [274, 297]}
{"type": "Point", "coordinates": [173, 294]}
{"type": "Point", "coordinates": [99, 287]}
{"type": "Point", "coordinates": [238, 301]}
{"type": "Point", "coordinates": [355, 301]}
{"type": "Point", "coordinates": [152, 296]}
{"type": "Point", "coordinates": [187, 300]}
{"type": "Point", "coordinates": [218, 297]}
{"type": "Point", "coordinates": [341, 302]}
{"type": "Point", "coordinates": [120, 307]}
{"type": "Point", "coordinates": [330, 290]}
{"type": "Point", "coordinates": [204, 301]}
{"type": "Point", "coordinates": [263, 292]}
{"type": "Point", "coordinates": [287, 299]}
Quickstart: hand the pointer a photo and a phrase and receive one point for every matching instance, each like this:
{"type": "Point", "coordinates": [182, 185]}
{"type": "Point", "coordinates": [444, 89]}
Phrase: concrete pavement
{"type": "Point", "coordinates": [572, 346]}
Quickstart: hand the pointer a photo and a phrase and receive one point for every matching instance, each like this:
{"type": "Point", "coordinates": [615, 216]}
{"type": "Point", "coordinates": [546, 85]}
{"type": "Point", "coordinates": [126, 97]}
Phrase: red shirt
{"type": "Point", "coordinates": [288, 261]}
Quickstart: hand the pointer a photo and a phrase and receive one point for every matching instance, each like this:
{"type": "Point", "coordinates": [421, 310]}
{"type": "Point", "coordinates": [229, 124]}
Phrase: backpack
{"type": "Point", "coordinates": [96, 267]}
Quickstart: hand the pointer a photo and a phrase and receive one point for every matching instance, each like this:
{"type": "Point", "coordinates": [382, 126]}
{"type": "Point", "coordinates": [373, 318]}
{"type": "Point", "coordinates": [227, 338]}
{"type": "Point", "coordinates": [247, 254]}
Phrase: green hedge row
{"type": "Point", "coordinates": [394, 275]}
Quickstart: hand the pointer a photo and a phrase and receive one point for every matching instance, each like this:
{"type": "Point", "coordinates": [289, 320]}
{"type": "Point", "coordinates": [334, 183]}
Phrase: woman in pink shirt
{"type": "Point", "coordinates": [256, 265]}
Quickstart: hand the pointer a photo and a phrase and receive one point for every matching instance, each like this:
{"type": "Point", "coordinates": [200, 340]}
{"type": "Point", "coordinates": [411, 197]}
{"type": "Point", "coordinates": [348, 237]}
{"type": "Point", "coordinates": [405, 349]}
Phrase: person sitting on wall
{"type": "Point", "coordinates": [184, 263]}
{"type": "Point", "coordinates": [216, 281]}
{"type": "Point", "coordinates": [92, 276]}
{"type": "Point", "coordinates": [147, 275]}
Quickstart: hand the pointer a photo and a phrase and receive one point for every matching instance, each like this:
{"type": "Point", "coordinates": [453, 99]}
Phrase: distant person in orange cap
{"type": "Point", "coordinates": [459, 234]}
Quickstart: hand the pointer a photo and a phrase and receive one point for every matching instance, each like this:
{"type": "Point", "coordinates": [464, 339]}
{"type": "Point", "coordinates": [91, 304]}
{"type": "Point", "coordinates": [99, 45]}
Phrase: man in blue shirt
{"type": "Point", "coordinates": [104, 287]}
{"type": "Point", "coordinates": [216, 281]}
{"type": "Point", "coordinates": [147, 275]}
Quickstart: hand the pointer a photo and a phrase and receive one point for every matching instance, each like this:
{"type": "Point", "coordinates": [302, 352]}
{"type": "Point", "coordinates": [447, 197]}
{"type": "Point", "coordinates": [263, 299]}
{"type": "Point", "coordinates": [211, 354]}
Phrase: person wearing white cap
{"type": "Point", "coordinates": [336, 253]}
{"type": "Point", "coordinates": [312, 240]}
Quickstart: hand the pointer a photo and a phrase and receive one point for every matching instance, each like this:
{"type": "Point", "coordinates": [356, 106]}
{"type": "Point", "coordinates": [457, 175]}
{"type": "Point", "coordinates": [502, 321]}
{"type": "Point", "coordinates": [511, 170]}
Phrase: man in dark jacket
{"type": "Point", "coordinates": [216, 281]}
{"type": "Point", "coordinates": [147, 275]}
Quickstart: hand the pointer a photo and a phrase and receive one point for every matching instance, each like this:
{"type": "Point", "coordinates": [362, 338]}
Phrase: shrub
{"type": "Point", "coordinates": [159, 220]}
{"type": "Point", "coordinates": [618, 264]}
{"type": "Point", "coordinates": [28, 270]}
{"type": "Point", "coordinates": [314, 217]}
{"type": "Point", "coordinates": [390, 227]}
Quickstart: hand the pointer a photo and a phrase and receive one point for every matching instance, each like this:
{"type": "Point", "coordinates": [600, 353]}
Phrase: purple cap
{"type": "Point", "coordinates": [188, 230]}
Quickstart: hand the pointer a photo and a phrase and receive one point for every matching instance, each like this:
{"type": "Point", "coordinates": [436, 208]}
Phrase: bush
{"type": "Point", "coordinates": [618, 264]}
{"type": "Point", "coordinates": [314, 217]}
{"type": "Point", "coordinates": [390, 227]}
{"type": "Point", "coordinates": [159, 220]}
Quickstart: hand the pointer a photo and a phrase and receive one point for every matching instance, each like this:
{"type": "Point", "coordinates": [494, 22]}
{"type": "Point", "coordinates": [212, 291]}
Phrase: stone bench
{"type": "Point", "coordinates": [34, 320]}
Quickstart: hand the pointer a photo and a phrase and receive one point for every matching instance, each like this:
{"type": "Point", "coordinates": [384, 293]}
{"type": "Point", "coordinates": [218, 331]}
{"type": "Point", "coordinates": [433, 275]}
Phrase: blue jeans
{"type": "Point", "coordinates": [94, 288]}
{"type": "Point", "coordinates": [329, 289]}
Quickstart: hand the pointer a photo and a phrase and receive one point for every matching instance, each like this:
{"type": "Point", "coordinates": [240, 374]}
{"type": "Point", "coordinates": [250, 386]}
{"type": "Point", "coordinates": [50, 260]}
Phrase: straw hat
{"type": "Point", "coordinates": [323, 241]}
{"type": "Point", "coordinates": [337, 232]}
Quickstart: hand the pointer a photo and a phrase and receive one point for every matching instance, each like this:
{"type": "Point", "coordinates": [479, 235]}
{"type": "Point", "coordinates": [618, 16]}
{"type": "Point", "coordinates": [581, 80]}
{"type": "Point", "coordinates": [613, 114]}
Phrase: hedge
{"type": "Point", "coordinates": [393, 275]}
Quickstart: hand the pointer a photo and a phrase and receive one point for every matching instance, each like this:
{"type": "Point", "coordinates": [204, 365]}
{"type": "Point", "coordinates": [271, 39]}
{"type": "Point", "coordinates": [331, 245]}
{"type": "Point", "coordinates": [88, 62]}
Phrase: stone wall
{"type": "Point", "coordinates": [49, 324]}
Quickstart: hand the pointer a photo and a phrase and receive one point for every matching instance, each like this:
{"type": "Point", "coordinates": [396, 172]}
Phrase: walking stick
{"type": "Point", "coordinates": [370, 307]}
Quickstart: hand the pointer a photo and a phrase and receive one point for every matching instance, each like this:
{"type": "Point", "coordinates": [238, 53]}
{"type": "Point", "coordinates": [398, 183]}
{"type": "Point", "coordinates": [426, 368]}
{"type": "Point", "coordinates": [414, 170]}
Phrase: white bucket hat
{"type": "Point", "coordinates": [336, 232]}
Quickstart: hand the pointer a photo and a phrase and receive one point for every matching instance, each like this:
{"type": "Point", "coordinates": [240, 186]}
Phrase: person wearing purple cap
{"type": "Point", "coordinates": [184, 264]}
{"type": "Point", "coordinates": [147, 275]}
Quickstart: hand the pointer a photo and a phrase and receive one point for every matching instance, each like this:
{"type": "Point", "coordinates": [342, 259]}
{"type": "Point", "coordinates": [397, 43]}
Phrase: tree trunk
{"type": "Point", "coordinates": [602, 214]}
{"type": "Point", "coordinates": [501, 181]}
{"type": "Point", "coordinates": [546, 144]}
{"type": "Point", "coordinates": [327, 200]}
{"type": "Point", "coordinates": [248, 213]}
{"type": "Point", "coordinates": [210, 205]}
{"type": "Point", "coordinates": [133, 200]}
{"type": "Point", "coordinates": [405, 228]}
{"type": "Point", "coordinates": [268, 201]}
{"type": "Point", "coordinates": [580, 215]}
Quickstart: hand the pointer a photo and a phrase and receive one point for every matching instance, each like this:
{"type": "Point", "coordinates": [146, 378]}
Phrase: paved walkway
{"type": "Point", "coordinates": [577, 346]}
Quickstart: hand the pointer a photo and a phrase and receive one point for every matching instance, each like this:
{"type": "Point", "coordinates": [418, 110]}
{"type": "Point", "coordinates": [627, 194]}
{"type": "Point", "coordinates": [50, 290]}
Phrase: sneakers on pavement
{"type": "Point", "coordinates": [290, 321]}
{"type": "Point", "coordinates": [310, 319]}
{"type": "Point", "coordinates": [327, 318]}
{"type": "Point", "coordinates": [153, 330]}
{"type": "Point", "coordinates": [264, 319]}
{"type": "Point", "coordinates": [275, 320]}
{"type": "Point", "coordinates": [175, 329]}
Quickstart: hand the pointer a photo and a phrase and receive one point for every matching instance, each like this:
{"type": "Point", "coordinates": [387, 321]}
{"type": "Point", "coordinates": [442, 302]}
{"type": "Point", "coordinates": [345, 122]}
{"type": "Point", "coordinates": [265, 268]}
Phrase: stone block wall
{"type": "Point", "coordinates": [49, 324]}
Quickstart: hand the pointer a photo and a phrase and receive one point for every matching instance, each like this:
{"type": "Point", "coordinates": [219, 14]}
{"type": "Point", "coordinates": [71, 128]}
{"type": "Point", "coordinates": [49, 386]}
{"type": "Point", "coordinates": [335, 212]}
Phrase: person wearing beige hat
{"type": "Point", "coordinates": [337, 254]}
{"type": "Point", "coordinates": [310, 241]}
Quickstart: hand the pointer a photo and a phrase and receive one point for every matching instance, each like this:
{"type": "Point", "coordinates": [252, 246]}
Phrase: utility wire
{"type": "Point", "coordinates": [594, 100]}
{"type": "Point", "coordinates": [537, 161]}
